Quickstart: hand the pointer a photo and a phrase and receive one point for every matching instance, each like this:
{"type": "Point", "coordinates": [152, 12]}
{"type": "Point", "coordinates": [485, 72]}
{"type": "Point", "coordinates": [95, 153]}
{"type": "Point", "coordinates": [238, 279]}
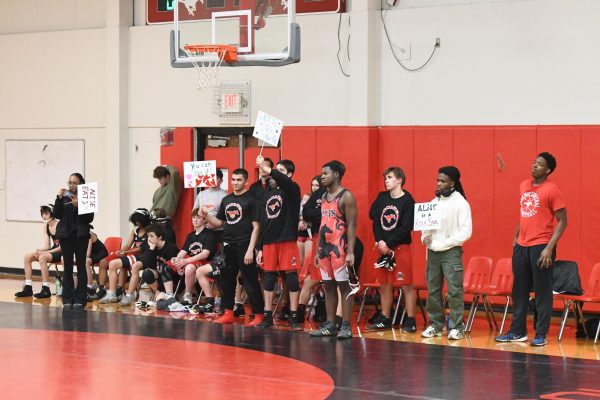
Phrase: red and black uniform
{"type": "Point", "coordinates": [196, 243]}
{"type": "Point", "coordinates": [333, 240]}
{"type": "Point", "coordinates": [539, 205]}
{"type": "Point", "coordinates": [311, 213]}
{"type": "Point", "coordinates": [139, 242]}
{"type": "Point", "coordinates": [55, 243]}
{"type": "Point", "coordinates": [279, 218]}
{"type": "Point", "coordinates": [393, 222]}
{"type": "Point", "coordinates": [160, 260]}
{"type": "Point", "coordinates": [238, 212]}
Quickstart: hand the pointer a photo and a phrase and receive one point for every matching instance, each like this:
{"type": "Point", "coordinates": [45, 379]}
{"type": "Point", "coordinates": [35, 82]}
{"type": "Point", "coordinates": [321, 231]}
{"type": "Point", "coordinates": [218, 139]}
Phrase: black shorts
{"type": "Point", "coordinates": [56, 257]}
{"type": "Point", "coordinates": [96, 257]}
{"type": "Point", "coordinates": [128, 260]}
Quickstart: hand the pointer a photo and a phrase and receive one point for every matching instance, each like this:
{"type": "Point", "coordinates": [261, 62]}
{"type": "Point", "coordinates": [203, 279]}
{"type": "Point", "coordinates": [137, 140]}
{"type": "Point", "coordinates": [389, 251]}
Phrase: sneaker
{"type": "Point", "coordinates": [381, 323]}
{"type": "Point", "coordinates": [207, 308]}
{"type": "Point", "coordinates": [338, 322]}
{"type": "Point", "coordinates": [226, 318]}
{"type": "Point", "coordinates": [92, 295]}
{"type": "Point", "coordinates": [238, 310]}
{"type": "Point", "coordinates": [455, 334]}
{"type": "Point", "coordinates": [109, 298]}
{"type": "Point", "coordinates": [126, 300]}
{"type": "Point", "coordinates": [387, 261]}
{"type": "Point", "coordinates": [410, 325]}
{"type": "Point", "coordinates": [120, 293]}
{"type": "Point", "coordinates": [78, 306]}
{"type": "Point", "coordinates": [294, 324]}
{"type": "Point", "coordinates": [44, 293]}
{"type": "Point", "coordinates": [267, 320]}
{"type": "Point", "coordinates": [328, 328]}
{"type": "Point", "coordinates": [285, 314]}
{"type": "Point", "coordinates": [539, 340]}
{"type": "Point", "coordinates": [101, 292]}
{"type": "Point", "coordinates": [256, 321]}
{"type": "Point", "coordinates": [187, 298]}
{"type": "Point", "coordinates": [26, 292]}
{"type": "Point", "coordinates": [431, 331]}
{"type": "Point", "coordinates": [511, 337]}
{"type": "Point", "coordinates": [345, 331]}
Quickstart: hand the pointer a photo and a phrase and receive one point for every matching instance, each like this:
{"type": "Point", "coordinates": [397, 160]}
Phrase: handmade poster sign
{"type": "Point", "coordinates": [87, 198]}
{"type": "Point", "coordinates": [200, 174]}
{"type": "Point", "coordinates": [427, 217]}
{"type": "Point", "coordinates": [267, 128]}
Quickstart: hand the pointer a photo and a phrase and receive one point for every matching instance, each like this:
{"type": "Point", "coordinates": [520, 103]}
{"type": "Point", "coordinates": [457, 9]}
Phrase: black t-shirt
{"type": "Point", "coordinates": [311, 212]}
{"type": "Point", "coordinates": [237, 213]}
{"type": "Point", "coordinates": [393, 218]}
{"type": "Point", "coordinates": [195, 243]}
{"type": "Point", "coordinates": [157, 258]}
{"type": "Point", "coordinates": [280, 211]}
{"type": "Point", "coordinates": [257, 190]}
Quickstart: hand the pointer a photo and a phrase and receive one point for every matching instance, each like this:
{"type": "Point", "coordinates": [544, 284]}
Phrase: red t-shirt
{"type": "Point", "coordinates": [538, 206]}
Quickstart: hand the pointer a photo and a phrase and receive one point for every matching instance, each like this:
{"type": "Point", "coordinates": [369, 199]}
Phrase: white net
{"type": "Point", "coordinates": [208, 69]}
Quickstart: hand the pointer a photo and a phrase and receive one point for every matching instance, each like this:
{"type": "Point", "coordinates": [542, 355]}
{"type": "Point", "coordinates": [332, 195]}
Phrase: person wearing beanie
{"type": "Point", "coordinates": [444, 254]}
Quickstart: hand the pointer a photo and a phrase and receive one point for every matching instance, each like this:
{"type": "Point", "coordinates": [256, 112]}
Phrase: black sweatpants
{"type": "Point", "coordinates": [529, 276]}
{"type": "Point", "coordinates": [78, 247]}
{"type": "Point", "coordinates": [234, 259]}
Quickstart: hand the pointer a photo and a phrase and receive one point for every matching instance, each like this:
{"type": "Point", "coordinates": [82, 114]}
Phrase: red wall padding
{"type": "Point", "coordinates": [493, 161]}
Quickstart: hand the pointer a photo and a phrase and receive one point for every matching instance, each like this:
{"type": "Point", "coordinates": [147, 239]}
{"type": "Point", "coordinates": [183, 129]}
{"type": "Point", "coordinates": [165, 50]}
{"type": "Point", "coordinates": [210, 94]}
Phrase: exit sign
{"type": "Point", "coordinates": [231, 103]}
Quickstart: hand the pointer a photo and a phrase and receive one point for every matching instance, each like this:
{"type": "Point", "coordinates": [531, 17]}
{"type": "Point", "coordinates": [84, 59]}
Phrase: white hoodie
{"type": "Point", "coordinates": [456, 226]}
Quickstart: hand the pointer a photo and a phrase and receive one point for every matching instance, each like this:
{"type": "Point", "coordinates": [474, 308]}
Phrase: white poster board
{"type": "Point", "coordinates": [267, 128]}
{"type": "Point", "coordinates": [87, 198]}
{"type": "Point", "coordinates": [200, 174]}
{"type": "Point", "coordinates": [427, 217]}
{"type": "Point", "coordinates": [35, 170]}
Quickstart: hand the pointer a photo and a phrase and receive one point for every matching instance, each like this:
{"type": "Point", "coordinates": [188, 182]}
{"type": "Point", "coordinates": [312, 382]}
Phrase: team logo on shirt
{"type": "Point", "coordinates": [389, 217]}
{"type": "Point", "coordinates": [196, 248]}
{"type": "Point", "coordinates": [273, 207]}
{"type": "Point", "coordinates": [530, 203]}
{"type": "Point", "coordinates": [233, 213]}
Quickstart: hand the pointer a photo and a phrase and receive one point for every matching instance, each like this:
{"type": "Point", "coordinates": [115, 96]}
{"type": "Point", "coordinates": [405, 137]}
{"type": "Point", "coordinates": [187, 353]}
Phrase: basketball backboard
{"type": "Point", "coordinates": [264, 32]}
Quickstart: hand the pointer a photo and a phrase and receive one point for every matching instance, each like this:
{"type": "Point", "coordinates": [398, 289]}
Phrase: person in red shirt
{"type": "Point", "coordinates": [534, 250]}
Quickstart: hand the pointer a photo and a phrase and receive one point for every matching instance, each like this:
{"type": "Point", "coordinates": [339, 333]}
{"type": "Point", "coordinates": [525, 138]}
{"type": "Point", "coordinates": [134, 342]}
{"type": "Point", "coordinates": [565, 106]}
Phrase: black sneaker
{"type": "Point", "coordinates": [78, 306]}
{"type": "Point", "coordinates": [410, 325]}
{"type": "Point", "coordinates": [92, 295]}
{"type": "Point", "coordinates": [338, 322]}
{"type": "Point", "coordinates": [238, 310]}
{"type": "Point", "coordinates": [327, 328]}
{"type": "Point", "coordinates": [207, 308]}
{"type": "Point", "coordinates": [382, 323]}
{"type": "Point", "coordinates": [26, 292]}
{"type": "Point", "coordinates": [120, 293]}
{"type": "Point", "coordinates": [345, 331]}
{"type": "Point", "coordinates": [375, 317]}
{"type": "Point", "coordinates": [294, 324]}
{"type": "Point", "coordinates": [285, 314]}
{"type": "Point", "coordinates": [101, 292]}
{"type": "Point", "coordinates": [267, 321]}
{"type": "Point", "coordinates": [301, 313]}
{"type": "Point", "coordinates": [44, 293]}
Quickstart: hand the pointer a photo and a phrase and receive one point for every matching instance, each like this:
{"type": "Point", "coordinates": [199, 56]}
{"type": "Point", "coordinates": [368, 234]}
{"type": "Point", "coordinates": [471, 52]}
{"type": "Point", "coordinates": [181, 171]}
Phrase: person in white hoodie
{"type": "Point", "coordinates": [444, 254]}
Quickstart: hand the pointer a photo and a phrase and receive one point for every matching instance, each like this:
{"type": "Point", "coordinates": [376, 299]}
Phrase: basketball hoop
{"type": "Point", "coordinates": [208, 68]}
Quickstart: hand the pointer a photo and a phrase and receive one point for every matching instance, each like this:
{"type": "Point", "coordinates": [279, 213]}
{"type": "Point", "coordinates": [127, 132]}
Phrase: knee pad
{"type": "Point", "coordinates": [148, 277]}
{"type": "Point", "coordinates": [269, 281]}
{"type": "Point", "coordinates": [292, 281]}
{"type": "Point", "coordinates": [166, 274]}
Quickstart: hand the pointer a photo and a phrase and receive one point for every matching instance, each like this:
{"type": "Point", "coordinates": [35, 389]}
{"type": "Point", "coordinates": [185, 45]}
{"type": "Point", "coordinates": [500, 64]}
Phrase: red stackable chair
{"type": "Point", "coordinates": [591, 295]}
{"type": "Point", "coordinates": [476, 279]}
{"type": "Point", "coordinates": [501, 284]}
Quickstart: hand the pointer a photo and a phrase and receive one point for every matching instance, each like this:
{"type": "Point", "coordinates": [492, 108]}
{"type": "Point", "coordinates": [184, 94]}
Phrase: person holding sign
{"type": "Point", "coordinates": [73, 231]}
{"type": "Point", "coordinates": [534, 250]}
{"type": "Point", "coordinates": [211, 198]}
{"type": "Point", "coordinates": [335, 255]}
{"type": "Point", "coordinates": [392, 213]}
{"type": "Point", "coordinates": [239, 217]}
{"type": "Point", "coordinates": [444, 254]}
{"type": "Point", "coordinates": [278, 251]}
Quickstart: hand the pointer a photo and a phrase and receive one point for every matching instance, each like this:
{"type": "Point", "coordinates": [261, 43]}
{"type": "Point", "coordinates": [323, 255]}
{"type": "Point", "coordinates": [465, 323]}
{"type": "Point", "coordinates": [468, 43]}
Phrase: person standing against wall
{"type": "Point", "coordinates": [166, 196]}
{"type": "Point", "coordinates": [73, 232]}
{"type": "Point", "coordinates": [444, 254]}
{"type": "Point", "coordinates": [534, 250]}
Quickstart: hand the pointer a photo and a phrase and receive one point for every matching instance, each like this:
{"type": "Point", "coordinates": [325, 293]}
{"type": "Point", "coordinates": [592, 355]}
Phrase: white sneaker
{"type": "Point", "coordinates": [187, 298]}
{"type": "Point", "coordinates": [431, 332]}
{"type": "Point", "coordinates": [109, 298]}
{"type": "Point", "coordinates": [455, 334]}
{"type": "Point", "coordinates": [126, 300]}
{"type": "Point", "coordinates": [169, 296]}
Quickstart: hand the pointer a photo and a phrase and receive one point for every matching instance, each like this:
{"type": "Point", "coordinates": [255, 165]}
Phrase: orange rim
{"type": "Point", "coordinates": [228, 53]}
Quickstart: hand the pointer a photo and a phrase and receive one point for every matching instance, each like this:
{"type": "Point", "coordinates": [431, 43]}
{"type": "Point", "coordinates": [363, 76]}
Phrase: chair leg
{"type": "Point", "coordinates": [397, 305]}
{"type": "Point", "coordinates": [597, 333]}
{"type": "Point", "coordinates": [362, 304]}
{"type": "Point", "coordinates": [564, 319]}
{"type": "Point", "coordinates": [578, 311]}
{"type": "Point", "coordinates": [491, 310]}
{"type": "Point", "coordinates": [472, 312]}
{"type": "Point", "coordinates": [505, 314]}
{"type": "Point", "coordinates": [423, 312]}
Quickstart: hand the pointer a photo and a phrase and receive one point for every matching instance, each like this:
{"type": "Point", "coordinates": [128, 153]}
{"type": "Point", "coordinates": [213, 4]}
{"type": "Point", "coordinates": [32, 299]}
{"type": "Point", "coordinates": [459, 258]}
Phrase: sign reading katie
{"type": "Point", "coordinates": [87, 198]}
{"type": "Point", "coordinates": [200, 174]}
{"type": "Point", "coordinates": [427, 217]}
{"type": "Point", "coordinates": [267, 128]}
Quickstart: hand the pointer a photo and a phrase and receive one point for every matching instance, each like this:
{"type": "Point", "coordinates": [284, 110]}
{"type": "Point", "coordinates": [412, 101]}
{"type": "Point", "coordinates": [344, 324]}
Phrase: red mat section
{"type": "Point", "coordinates": [83, 365]}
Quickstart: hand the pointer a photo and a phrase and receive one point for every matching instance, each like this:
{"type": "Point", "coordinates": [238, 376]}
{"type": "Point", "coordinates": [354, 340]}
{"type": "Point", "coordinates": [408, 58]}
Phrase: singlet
{"type": "Point", "coordinates": [332, 233]}
{"type": "Point", "coordinates": [140, 241]}
{"type": "Point", "coordinates": [55, 241]}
